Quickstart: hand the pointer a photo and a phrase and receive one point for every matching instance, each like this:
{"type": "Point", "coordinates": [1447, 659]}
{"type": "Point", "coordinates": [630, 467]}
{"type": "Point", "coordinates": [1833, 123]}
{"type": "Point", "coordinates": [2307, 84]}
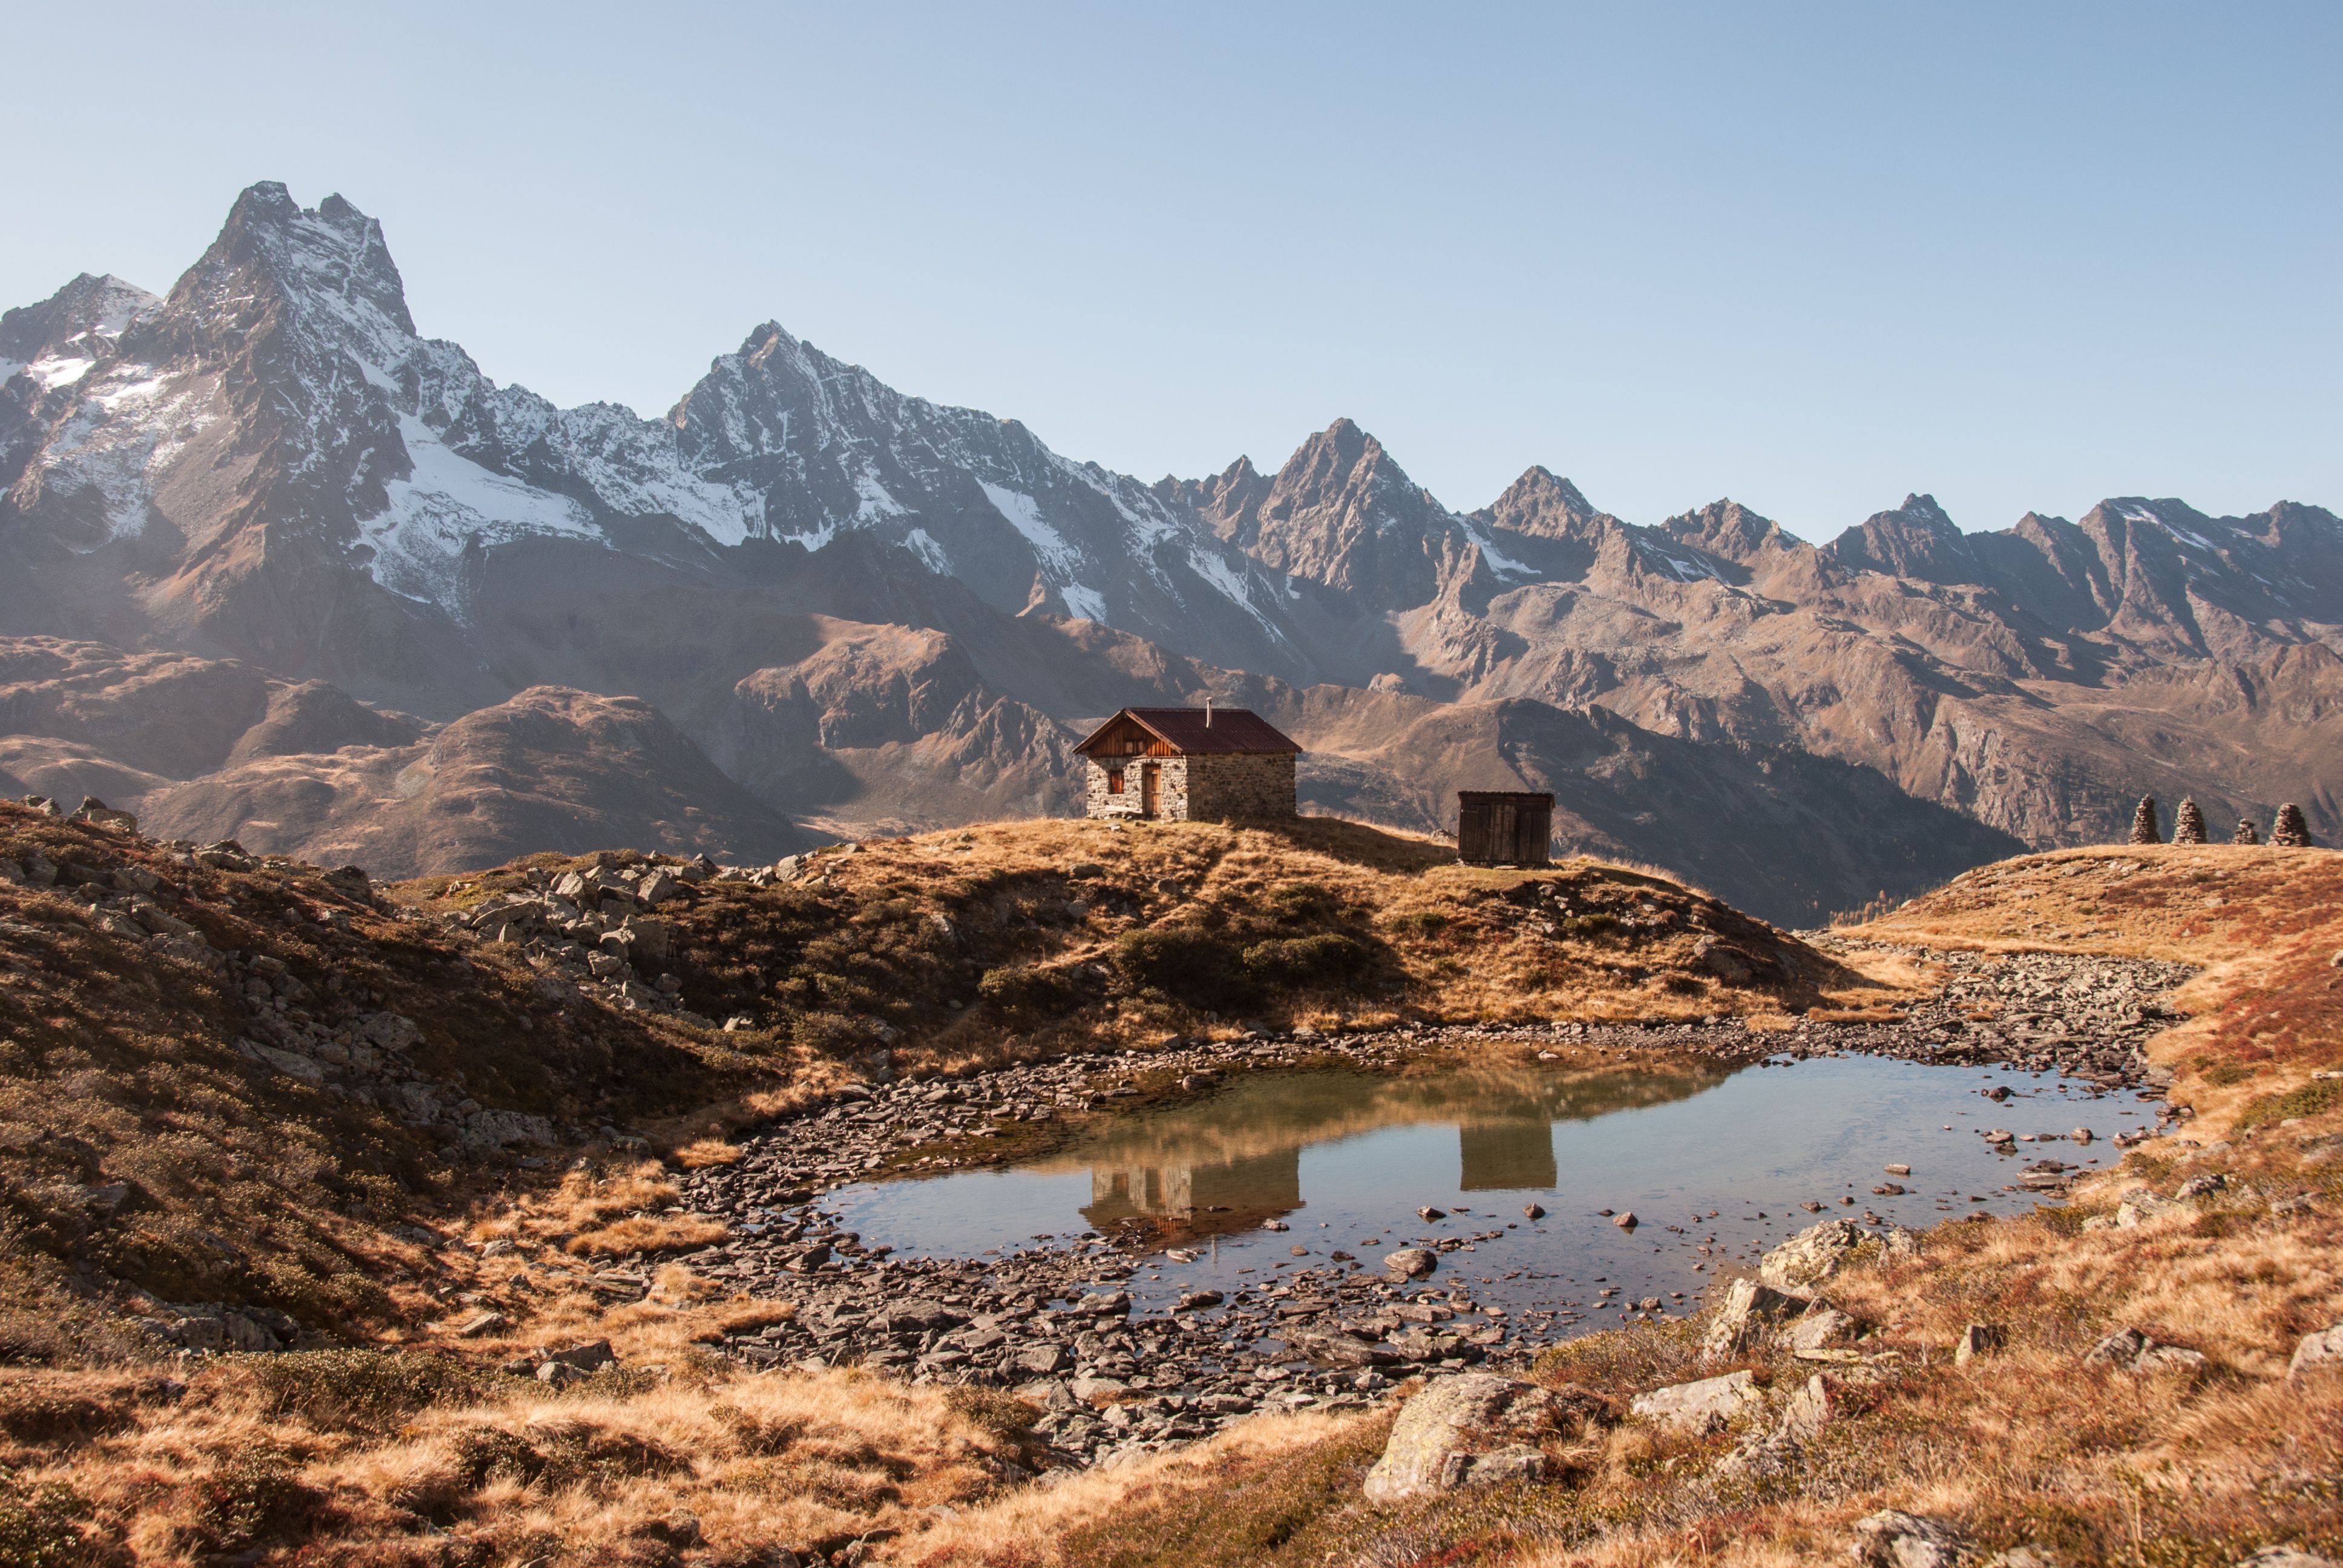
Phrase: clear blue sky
{"type": "Point", "coordinates": [1807, 255]}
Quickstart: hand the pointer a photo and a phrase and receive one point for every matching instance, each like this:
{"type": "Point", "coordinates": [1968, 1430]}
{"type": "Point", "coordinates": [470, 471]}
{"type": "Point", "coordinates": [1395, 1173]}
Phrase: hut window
{"type": "Point", "coordinates": [1114, 780]}
{"type": "Point", "coordinates": [1132, 746]}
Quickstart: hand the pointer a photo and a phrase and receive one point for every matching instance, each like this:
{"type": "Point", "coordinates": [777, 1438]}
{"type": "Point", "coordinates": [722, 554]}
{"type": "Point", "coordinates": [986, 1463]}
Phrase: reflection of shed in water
{"type": "Point", "coordinates": [1246, 1187]}
{"type": "Point", "coordinates": [1502, 1155]}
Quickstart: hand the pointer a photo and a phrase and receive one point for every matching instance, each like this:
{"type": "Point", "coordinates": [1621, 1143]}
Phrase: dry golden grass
{"type": "Point", "coordinates": [647, 1233]}
{"type": "Point", "coordinates": [623, 1468]}
{"type": "Point", "coordinates": [2267, 924]}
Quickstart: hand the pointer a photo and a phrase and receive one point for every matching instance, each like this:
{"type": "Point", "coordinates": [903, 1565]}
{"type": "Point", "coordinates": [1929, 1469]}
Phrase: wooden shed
{"type": "Point", "coordinates": [1497, 828]}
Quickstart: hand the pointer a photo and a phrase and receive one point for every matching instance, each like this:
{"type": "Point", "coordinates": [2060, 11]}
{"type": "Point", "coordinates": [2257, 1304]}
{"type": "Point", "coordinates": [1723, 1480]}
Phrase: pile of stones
{"type": "Point", "coordinates": [596, 928]}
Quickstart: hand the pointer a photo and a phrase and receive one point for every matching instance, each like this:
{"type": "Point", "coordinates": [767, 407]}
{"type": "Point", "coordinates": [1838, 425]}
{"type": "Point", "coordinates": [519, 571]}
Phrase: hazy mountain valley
{"type": "Point", "coordinates": [274, 566]}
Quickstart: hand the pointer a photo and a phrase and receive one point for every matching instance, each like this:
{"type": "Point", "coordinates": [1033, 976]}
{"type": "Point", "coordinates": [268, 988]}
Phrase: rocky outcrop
{"type": "Point", "coordinates": [1469, 1429]}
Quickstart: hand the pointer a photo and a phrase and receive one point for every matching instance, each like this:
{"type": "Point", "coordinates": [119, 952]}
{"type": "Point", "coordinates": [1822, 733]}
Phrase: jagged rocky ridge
{"type": "Point", "coordinates": [870, 611]}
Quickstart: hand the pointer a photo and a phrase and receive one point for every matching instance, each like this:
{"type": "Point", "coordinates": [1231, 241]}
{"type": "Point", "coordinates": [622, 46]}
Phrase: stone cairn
{"type": "Point", "coordinates": [2290, 831]}
{"type": "Point", "coordinates": [2188, 823]}
{"type": "Point", "coordinates": [2246, 832]}
{"type": "Point", "coordinates": [2143, 822]}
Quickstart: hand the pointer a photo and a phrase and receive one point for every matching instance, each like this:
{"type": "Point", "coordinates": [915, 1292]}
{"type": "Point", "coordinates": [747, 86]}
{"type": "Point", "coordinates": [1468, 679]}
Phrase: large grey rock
{"type": "Point", "coordinates": [2318, 1352]}
{"type": "Point", "coordinates": [493, 1129]}
{"type": "Point", "coordinates": [1413, 1263]}
{"type": "Point", "coordinates": [1701, 1406]}
{"type": "Point", "coordinates": [1467, 1429]}
{"type": "Point", "coordinates": [1807, 1411]}
{"type": "Point", "coordinates": [2285, 1557]}
{"type": "Point", "coordinates": [1822, 1327]}
{"type": "Point", "coordinates": [1803, 1262]}
{"type": "Point", "coordinates": [1748, 1310]}
{"type": "Point", "coordinates": [1894, 1539]}
{"type": "Point", "coordinates": [1040, 1360]}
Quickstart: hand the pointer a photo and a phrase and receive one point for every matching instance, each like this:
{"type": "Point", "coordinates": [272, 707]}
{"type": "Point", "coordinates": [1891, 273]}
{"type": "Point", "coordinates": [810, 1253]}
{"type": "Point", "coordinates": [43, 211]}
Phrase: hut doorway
{"type": "Point", "coordinates": [1504, 828]}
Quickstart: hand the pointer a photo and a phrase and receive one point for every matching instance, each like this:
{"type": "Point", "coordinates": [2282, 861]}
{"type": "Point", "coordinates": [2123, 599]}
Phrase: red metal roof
{"type": "Point", "coordinates": [1233, 730]}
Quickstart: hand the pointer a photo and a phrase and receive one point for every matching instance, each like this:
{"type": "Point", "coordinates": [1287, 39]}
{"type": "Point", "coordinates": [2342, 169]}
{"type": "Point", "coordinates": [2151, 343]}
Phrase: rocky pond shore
{"type": "Point", "coordinates": [1058, 1323]}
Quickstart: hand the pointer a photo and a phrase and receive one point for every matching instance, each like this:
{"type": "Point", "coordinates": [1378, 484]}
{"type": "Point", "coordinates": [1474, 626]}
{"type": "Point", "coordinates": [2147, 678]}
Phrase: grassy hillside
{"type": "Point", "coordinates": [250, 1102]}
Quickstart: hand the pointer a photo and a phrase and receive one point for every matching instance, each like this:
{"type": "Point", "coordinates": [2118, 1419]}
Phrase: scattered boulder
{"type": "Point", "coordinates": [2133, 1350]}
{"type": "Point", "coordinates": [589, 1355]}
{"type": "Point", "coordinates": [1894, 1539]}
{"type": "Point", "coordinates": [1411, 1262]}
{"type": "Point", "coordinates": [1809, 1411]}
{"type": "Point", "coordinates": [2140, 1206]}
{"type": "Point", "coordinates": [2316, 1353]}
{"type": "Point", "coordinates": [1977, 1339]}
{"type": "Point", "coordinates": [1812, 1256]}
{"type": "Point", "coordinates": [1040, 1360]}
{"type": "Point", "coordinates": [1822, 1327]}
{"type": "Point", "coordinates": [1471, 1429]}
{"type": "Point", "coordinates": [2285, 1557]}
{"type": "Point", "coordinates": [1749, 1308]}
{"type": "Point", "coordinates": [1705, 1405]}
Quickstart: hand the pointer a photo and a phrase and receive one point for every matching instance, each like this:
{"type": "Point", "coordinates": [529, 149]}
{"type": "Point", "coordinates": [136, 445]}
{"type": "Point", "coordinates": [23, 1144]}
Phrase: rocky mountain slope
{"type": "Point", "coordinates": [870, 612]}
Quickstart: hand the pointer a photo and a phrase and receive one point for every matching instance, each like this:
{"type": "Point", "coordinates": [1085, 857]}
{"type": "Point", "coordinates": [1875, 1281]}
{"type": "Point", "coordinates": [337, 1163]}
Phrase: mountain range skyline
{"type": "Point", "coordinates": [127, 296]}
{"type": "Point", "coordinates": [416, 615]}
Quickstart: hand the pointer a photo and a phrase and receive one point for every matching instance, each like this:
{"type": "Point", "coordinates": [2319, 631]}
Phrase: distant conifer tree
{"type": "Point", "coordinates": [2143, 822]}
{"type": "Point", "coordinates": [2246, 832]}
{"type": "Point", "coordinates": [2188, 823]}
{"type": "Point", "coordinates": [2290, 831]}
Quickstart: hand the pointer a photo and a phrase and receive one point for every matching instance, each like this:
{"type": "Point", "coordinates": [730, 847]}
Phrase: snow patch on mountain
{"type": "Point", "coordinates": [932, 556]}
{"type": "Point", "coordinates": [1058, 559]}
{"type": "Point", "coordinates": [123, 432]}
{"type": "Point", "coordinates": [448, 504]}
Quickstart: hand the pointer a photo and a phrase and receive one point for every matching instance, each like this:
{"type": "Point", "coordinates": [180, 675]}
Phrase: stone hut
{"type": "Point", "coordinates": [1190, 765]}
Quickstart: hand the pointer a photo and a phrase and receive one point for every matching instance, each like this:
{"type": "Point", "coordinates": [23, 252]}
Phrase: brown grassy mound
{"type": "Point", "coordinates": [1028, 936]}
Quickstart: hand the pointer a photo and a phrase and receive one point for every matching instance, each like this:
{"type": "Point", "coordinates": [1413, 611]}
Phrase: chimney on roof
{"type": "Point", "coordinates": [1208, 713]}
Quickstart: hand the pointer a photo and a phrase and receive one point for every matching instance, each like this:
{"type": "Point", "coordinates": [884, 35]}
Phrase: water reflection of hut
{"type": "Point", "coordinates": [1502, 1156]}
{"type": "Point", "coordinates": [1244, 1190]}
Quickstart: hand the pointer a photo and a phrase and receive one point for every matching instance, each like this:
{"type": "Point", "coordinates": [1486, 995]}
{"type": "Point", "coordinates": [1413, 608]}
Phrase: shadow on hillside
{"type": "Point", "coordinates": [1378, 847]}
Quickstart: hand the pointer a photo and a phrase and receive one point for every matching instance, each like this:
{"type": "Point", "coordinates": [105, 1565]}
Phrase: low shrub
{"type": "Point", "coordinates": [1188, 965]}
{"type": "Point", "coordinates": [1325, 958]}
{"type": "Point", "coordinates": [1026, 990]}
{"type": "Point", "coordinates": [365, 1389]}
{"type": "Point", "coordinates": [37, 1524]}
{"type": "Point", "coordinates": [2322, 1094]}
